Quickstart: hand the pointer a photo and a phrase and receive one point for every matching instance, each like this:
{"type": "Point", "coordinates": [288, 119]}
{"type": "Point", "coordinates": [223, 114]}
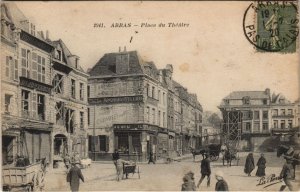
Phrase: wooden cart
{"type": "Point", "coordinates": [29, 178]}
{"type": "Point", "coordinates": [133, 168]}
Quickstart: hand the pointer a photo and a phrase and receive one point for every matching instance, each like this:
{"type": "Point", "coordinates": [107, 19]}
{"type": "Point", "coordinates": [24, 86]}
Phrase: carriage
{"type": "Point", "coordinates": [130, 168]}
{"type": "Point", "coordinates": [25, 178]}
{"type": "Point", "coordinates": [213, 151]}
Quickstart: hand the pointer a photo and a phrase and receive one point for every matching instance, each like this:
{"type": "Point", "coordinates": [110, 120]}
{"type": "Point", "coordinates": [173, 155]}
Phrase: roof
{"type": "Point", "coordinates": [251, 94]}
{"type": "Point", "coordinates": [106, 63]}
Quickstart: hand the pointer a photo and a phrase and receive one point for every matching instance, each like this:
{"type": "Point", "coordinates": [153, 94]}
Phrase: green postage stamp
{"type": "Point", "coordinates": [272, 26]}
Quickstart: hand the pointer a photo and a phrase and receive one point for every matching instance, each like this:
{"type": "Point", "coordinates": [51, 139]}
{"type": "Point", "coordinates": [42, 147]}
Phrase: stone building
{"type": "Point", "coordinates": [263, 116]}
{"type": "Point", "coordinates": [131, 107]}
{"type": "Point", "coordinates": [30, 95]}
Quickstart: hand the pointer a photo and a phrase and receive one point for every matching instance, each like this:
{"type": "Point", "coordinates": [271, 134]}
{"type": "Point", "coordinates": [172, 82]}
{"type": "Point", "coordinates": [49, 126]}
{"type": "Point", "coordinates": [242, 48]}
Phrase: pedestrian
{"type": "Point", "coordinates": [188, 182]}
{"type": "Point", "coordinates": [221, 184]}
{"type": "Point", "coordinates": [287, 174]}
{"type": "Point", "coordinates": [151, 160]}
{"type": "Point", "coordinates": [73, 177]}
{"type": "Point", "coordinates": [67, 161]}
{"type": "Point", "coordinates": [205, 171]}
{"type": "Point", "coordinates": [261, 166]}
{"type": "Point", "coordinates": [115, 157]}
{"type": "Point", "coordinates": [249, 165]}
{"type": "Point", "coordinates": [119, 167]}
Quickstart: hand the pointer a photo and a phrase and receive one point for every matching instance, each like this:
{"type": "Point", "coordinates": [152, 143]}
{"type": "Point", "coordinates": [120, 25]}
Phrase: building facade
{"type": "Point", "coordinates": [131, 108]}
{"type": "Point", "coordinates": [266, 118]}
{"type": "Point", "coordinates": [29, 94]}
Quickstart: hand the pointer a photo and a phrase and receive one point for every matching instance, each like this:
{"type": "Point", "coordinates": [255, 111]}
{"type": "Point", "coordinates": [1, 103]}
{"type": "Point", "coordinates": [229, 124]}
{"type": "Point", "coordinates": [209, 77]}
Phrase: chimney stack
{"type": "Point", "coordinates": [124, 48]}
{"type": "Point", "coordinates": [47, 34]}
{"type": "Point", "coordinates": [119, 49]}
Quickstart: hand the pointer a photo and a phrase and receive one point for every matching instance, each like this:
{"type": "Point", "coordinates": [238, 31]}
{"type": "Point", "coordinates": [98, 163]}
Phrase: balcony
{"type": "Point", "coordinates": [28, 115]}
{"type": "Point", "coordinates": [283, 116]}
{"type": "Point", "coordinates": [285, 131]}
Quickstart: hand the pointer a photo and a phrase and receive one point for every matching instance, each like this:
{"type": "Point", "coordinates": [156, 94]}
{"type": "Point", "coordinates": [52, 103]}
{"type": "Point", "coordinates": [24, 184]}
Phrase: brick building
{"type": "Point", "coordinates": [131, 107]}
{"type": "Point", "coordinates": [263, 116]}
{"type": "Point", "coordinates": [37, 93]}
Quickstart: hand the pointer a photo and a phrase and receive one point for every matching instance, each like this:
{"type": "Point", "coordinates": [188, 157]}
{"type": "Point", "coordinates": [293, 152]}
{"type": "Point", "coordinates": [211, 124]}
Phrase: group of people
{"type": "Point", "coordinates": [189, 180]}
{"type": "Point", "coordinates": [261, 165]}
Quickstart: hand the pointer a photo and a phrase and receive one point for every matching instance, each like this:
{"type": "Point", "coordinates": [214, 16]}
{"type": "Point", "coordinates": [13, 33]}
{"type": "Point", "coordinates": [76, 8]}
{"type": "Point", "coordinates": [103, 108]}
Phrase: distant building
{"type": "Point", "coordinates": [263, 115]}
{"type": "Point", "coordinates": [131, 108]}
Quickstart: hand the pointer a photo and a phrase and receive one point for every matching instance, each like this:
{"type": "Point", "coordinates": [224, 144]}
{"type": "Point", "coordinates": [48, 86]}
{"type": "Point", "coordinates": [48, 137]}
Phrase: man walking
{"type": "Point", "coordinates": [73, 177]}
{"type": "Point", "coordinates": [205, 171]}
{"type": "Point", "coordinates": [115, 157]}
{"type": "Point", "coordinates": [287, 174]}
{"type": "Point", "coordinates": [151, 160]}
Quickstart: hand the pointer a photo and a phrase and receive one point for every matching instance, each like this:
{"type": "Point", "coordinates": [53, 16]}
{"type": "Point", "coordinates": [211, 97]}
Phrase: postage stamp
{"type": "Point", "coordinates": [272, 26]}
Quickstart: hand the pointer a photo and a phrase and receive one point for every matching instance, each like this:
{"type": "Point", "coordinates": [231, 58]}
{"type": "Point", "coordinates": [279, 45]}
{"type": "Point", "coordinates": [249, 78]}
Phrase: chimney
{"type": "Point", "coordinates": [124, 48]}
{"type": "Point", "coordinates": [47, 34]}
{"type": "Point", "coordinates": [119, 49]}
{"type": "Point", "coordinates": [267, 91]}
{"type": "Point", "coordinates": [42, 35]}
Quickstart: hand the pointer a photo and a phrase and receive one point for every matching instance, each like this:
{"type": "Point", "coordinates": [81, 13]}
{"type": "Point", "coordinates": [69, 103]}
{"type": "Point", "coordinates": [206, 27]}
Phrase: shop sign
{"type": "Point", "coordinates": [110, 100]}
{"type": "Point", "coordinates": [128, 126]}
{"type": "Point", "coordinates": [32, 84]}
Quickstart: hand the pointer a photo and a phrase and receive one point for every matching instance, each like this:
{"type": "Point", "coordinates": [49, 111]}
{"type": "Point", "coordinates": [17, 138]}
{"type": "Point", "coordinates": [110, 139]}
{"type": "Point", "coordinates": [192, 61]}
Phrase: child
{"type": "Point", "coordinates": [221, 184]}
{"type": "Point", "coordinates": [188, 182]}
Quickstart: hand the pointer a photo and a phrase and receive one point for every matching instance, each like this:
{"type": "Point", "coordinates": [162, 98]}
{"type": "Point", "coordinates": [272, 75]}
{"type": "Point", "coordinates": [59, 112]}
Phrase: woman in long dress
{"type": "Point", "coordinates": [261, 166]}
{"type": "Point", "coordinates": [249, 165]}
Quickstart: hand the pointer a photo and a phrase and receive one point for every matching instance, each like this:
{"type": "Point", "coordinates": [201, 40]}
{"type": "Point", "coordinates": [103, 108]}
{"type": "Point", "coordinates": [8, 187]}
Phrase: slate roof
{"type": "Point", "coordinates": [105, 64]}
{"type": "Point", "coordinates": [252, 94]}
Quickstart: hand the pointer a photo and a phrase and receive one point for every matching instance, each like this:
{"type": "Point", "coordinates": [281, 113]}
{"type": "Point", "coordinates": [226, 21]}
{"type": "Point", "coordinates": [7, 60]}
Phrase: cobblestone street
{"type": "Point", "coordinates": [167, 177]}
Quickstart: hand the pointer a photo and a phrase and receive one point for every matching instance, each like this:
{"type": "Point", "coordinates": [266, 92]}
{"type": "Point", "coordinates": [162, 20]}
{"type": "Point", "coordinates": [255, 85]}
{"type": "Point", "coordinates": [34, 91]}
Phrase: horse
{"type": "Point", "coordinates": [201, 151]}
{"type": "Point", "coordinates": [287, 151]}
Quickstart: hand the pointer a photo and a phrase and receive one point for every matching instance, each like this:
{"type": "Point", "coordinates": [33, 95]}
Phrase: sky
{"type": "Point", "coordinates": [211, 57]}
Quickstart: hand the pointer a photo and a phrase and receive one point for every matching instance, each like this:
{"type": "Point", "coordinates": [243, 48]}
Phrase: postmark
{"type": "Point", "coordinates": [272, 26]}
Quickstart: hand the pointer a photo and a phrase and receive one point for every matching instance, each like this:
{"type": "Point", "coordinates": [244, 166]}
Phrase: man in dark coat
{"type": "Point", "coordinates": [221, 184]}
{"type": "Point", "coordinates": [249, 165]}
{"type": "Point", "coordinates": [205, 171]}
{"type": "Point", "coordinates": [287, 174]}
{"type": "Point", "coordinates": [261, 166]}
{"type": "Point", "coordinates": [115, 156]}
{"type": "Point", "coordinates": [73, 177]}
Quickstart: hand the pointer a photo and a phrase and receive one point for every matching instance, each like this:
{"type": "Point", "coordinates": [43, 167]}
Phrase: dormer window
{"type": "Point", "coordinates": [246, 100]}
{"type": "Point", "coordinates": [76, 63]}
{"type": "Point", "coordinates": [226, 101]}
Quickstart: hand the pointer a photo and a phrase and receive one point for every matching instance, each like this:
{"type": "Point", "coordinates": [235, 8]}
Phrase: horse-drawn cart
{"type": "Point", "coordinates": [28, 178]}
{"type": "Point", "coordinates": [131, 168]}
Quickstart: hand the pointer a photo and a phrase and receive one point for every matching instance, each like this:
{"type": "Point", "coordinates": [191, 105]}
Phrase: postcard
{"type": "Point", "coordinates": [150, 96]}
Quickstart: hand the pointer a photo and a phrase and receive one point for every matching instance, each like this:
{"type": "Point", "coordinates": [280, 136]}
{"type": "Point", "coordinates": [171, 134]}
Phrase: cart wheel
{"type": "Point", "coordinates": [138, 172]}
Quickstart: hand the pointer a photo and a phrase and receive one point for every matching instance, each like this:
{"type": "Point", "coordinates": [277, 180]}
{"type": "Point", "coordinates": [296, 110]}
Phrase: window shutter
{"type": "Point", "coordinates": [34, 105]}
{"type": "Point", "coordinates": [107, 143]}
{"type": "Point", "coordinates": [97, 143]}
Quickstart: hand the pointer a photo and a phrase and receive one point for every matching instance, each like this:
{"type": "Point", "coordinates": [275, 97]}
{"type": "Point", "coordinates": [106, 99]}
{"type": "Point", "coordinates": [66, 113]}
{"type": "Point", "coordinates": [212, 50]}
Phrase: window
{"type": "Point", "coordinates": [88, 91]}
{"type": "Point", "coordinates": [282, 124]}
{"type": "Point", "coordinates": [256, 114]}
{"type": "Point", "coordinates": [290, 123]}
{"type": "Point", "coordinates": [58, 83]}
{"type": "Point", "coordinates": [275, 124]}
{"type": "Point", "coordinates": [41, 62]}
{"type": "Point", "coordinates": [25, 54]}
{"type": "Point", "coordinates": [32, 29]}
{"type": "Point", "coordinates": [158, 96]}
{"type": "Point", "coordinates": [275, 112]}
{"type": "Point", "coordinates": [282, 112]}
{"type": "Point", "coordinates": [25, 102]}
{"type": "Point", "coordinates": [104, 143]}
{"type": "Point", "coordinates": [247, 115]}
{"type": "Point", "coordinates": [147, 114]}
{"type": "Point", "coordinates": [60, 113]}
{"type": "Point", "coordinates": [164, 116]}
{"type": "Point", "coordinates": [164, 99]}
{"type": "Point", "coordinates": [148, 89]}
{"type": "Point", "coordinates": [153, 116]}
{"type": "Point", "coordinates": [246, 100]}
{"type": "Point", "coordinates": [153, 92]}
{"type": "Point", "coordinates": [76, 63]}
{"type": "Point", "coordinates": [34, 66]}
{"type": "Point", "coordinates": [159, 118]}
{"type": "Point", "coordinates": [265, 115]}
{"type": "Point", "coordinates": [7, 103]}
{"type": "Point", "coordinates": [88, 116]}
{"type": "Point", "coordinates": [41, 107]}
{"type": "Point", "coordinates": [256, 127]}
{"type": "Point", "coordinates": [248, 126]}
{"type": "Point", "coordinates": [11, 68]}
{"type": "Point", "coordinates": [81, 91]}
{"type": "Point", "coordinates": [226, 101]}
{"type": "Point", "coordinates": [16, 70]}
{"type": "Point", "coordinates": [265, 126]}
{"type": "Point", "coordinates": [290, 112]}
{"type": "Point", "coordinates": [81, 119]}
{"type": "Point", "coordinates": [265, 101]}
{"type": "Point", "coordinates": [73, 93]}
{"type": "Point", "coordinates": [58, 55]}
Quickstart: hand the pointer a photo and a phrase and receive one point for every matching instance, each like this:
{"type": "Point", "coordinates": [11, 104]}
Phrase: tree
{"type": "Point", "coordinates": [214, 120]}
